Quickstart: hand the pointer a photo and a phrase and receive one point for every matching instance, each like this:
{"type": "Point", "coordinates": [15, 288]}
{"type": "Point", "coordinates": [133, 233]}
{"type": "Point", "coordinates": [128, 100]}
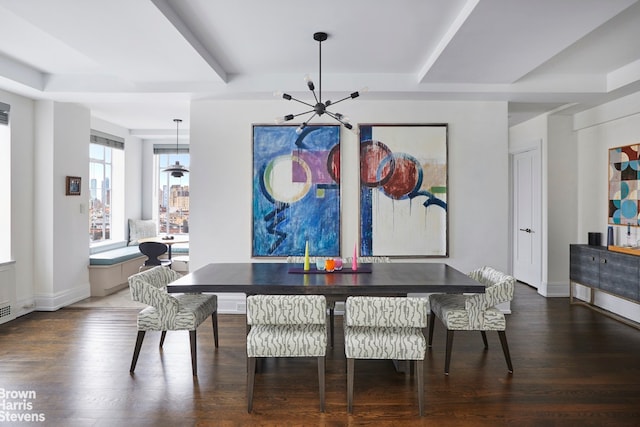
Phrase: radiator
{"type": "Point", "coordinates": [7, 292]}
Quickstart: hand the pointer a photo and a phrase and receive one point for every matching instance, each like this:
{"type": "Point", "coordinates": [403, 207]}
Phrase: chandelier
{"type": "Point", "coordinates": [320, 107]}
{"type": "Point", "coordinates": [177, 170]}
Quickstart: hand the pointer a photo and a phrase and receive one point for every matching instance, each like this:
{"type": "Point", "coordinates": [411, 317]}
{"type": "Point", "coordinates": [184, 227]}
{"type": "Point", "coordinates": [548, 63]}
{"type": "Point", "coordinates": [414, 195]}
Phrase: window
{"type": "Point", "coordinates": [106, 158]}
{"type": "Point", "coordinates": [172, 194]}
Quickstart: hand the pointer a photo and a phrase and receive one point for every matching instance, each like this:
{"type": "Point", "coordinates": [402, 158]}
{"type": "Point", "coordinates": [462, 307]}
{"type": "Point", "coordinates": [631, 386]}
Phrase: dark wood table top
{"type": "Point", "coordinates": [276, 278]}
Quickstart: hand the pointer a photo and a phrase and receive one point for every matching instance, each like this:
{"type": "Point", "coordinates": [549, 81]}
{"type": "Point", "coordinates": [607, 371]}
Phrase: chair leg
{"type": "Point", "coordinates": [162, 336]}
{"type": "Point", "coordinates": [350, 385]}
{"type": "Point", "coordinates": [505, 350]}
{"type": "Point", "coordinates": [432, 319]}
{"type": "Point", "coordinates": [447, 359]}
{"type": "Point", "coordinates": [420, 376]}
{"type": "Point", "coordinates": [214, 321]}
{"type": "Point", "coordinates": [321, 381]}
{"type": "Point", "coordinates": [251, 377]}
{"type": "Point", "coordinates": [194, 356]}
{"type": "Point", "coordinates": [136, 350]}
{"type": "Point", "coordinates": [331, 319]}
{"type": "Point", "coordinates": [484, 339]}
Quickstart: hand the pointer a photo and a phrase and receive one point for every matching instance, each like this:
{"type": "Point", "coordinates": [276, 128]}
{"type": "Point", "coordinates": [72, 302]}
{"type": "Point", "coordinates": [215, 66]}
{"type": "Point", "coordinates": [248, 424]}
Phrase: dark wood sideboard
{"type": "Point", "coordinates": [603, 270]}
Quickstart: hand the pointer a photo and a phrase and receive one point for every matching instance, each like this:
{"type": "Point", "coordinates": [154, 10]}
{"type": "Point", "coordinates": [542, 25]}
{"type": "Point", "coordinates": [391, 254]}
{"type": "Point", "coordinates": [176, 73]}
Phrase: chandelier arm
{"type": "Point", "coordinates": [310, 118]}
{"type": "Point", "coordinates": [344, 99]}
{"type": "Point", "coordinates": [315, 97]}
{"type": "Point", "coordinates": [335, 116]}
{"type": "Point", "coordinates": [301, 102]}
{"type": "Point", "coordinates": [304, 112]}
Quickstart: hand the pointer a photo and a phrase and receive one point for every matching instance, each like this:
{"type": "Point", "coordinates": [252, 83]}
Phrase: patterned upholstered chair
{"type": "Point", "coordinates": [331, 300]}
{"type": "Point", "coordinates": [475, 312]}
{"type": "Point", "coordinates": [170, 312]}
{"type": "Point", "coordinates": [286, 326]}
{"type": "Point", "coordinates": [385, 328]}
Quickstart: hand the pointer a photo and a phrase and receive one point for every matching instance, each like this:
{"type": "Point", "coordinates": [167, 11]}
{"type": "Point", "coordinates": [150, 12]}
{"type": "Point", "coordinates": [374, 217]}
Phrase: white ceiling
{"type": "Point", "coordinates": [138, 63]}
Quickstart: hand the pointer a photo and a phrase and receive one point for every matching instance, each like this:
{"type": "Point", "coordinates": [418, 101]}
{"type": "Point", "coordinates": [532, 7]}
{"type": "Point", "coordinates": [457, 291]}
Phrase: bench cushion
{"type": "Point", "coordinates": [115, 256]}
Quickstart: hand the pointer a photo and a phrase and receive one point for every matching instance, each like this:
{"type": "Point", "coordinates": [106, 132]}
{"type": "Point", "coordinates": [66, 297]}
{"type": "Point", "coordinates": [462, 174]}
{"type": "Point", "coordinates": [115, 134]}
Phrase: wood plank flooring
{"type": "Point", "coordinates": [573, 367]}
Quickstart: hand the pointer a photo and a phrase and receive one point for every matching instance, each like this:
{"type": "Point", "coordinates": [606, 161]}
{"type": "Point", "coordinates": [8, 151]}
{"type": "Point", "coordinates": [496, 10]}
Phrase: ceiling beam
{"type": "Point", "coordinates": [167, 10]}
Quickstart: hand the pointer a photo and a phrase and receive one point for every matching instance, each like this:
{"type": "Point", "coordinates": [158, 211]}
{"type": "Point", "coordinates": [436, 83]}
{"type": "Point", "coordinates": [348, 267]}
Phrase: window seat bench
{"type": "Point", "coordinates": [109, 270]}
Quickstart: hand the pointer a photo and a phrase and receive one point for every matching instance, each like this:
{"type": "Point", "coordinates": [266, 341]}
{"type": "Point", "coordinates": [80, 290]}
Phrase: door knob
{"type": "Point", "coordinates": [526, 230]}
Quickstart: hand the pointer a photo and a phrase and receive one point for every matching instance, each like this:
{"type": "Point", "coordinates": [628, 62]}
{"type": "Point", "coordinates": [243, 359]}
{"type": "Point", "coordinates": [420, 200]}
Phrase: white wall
{"type": "Point", "coordinates": [562, 200]}
{"type": "Point", "coordinates": [22, 196]}
{"type": "Point", "coordinates": [49, 235]}
{"type": "Point", "coordinates": [611, 125]}
{"type": "Point", "coordinates": [221, 159]}
{"type": "Point", "coordinates": [62, 250]}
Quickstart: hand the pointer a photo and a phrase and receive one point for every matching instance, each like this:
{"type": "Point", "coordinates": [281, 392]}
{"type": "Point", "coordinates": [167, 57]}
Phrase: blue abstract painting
{"type": "Point", "coordinates": [296, 191]}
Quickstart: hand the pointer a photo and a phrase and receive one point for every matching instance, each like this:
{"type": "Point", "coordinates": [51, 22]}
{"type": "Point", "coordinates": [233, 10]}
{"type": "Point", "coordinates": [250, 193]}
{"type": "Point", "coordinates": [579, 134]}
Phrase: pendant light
{"type": "Point", "coordinates": [177, 170]}
{"type": "Point", "coordinates": [320, 107]}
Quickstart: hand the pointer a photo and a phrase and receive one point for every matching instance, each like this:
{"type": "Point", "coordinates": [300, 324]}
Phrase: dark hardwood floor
{"type": "Point", "coordinates": [572, 367]}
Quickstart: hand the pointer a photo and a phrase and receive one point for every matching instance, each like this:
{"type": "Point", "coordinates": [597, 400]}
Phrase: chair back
{"type": "Point", "coordinates": [153, 250]}
{"type": "Point", "coordinates": [369, 259]}
{"type": "Point", "coordinates": [386, 312]}
{"type": "Point", "coordinates": [150, 287]}
{"type": "Point", "coordinates": [286, 310]}
{"type": "Point", "coordinates": [291, 259]}
{"type": "Point", "coordinates": [499, 286]}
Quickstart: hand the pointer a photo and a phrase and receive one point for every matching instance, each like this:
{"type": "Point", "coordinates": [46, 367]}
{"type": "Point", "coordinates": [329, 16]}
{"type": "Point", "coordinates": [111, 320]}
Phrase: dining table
{"type": "Point", "coordinates": [280, 278]}
{"type": "Point", "coordinates": [377, 279]}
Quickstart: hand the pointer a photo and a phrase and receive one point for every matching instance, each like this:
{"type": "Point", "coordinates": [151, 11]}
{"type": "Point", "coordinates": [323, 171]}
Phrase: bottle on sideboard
{"type": "Point", "coordinates": [610, 236]}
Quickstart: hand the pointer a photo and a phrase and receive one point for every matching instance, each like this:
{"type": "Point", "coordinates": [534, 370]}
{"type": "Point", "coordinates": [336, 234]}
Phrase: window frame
{"type": "Point", "coordinates": [113, 156]}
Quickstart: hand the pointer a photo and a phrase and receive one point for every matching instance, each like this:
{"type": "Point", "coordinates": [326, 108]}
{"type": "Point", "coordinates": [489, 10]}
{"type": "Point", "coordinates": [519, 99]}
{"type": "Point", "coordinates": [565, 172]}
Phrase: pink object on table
{"type": "Point", "coordinates": [354, 262]}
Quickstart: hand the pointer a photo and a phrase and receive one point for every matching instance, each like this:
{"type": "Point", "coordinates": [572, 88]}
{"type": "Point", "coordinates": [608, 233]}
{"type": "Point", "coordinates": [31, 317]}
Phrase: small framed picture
{"type": "Point", "coordinates": [73, 185]}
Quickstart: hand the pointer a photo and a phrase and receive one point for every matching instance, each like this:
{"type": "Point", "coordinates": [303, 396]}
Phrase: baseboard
{"type": "Point", "coordinates": [53, 302]}
{"type": "Point", "coordinates": [25, 306]}
{"type": "Point", "coordinates": [554, 290]}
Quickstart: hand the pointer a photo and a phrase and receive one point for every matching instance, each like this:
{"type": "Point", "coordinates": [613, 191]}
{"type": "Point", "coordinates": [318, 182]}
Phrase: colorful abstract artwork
{"type": "Point", "coordinates": [624, 183]}
{"type": "Point", "coordinates": [403, 190]}
{"type": "Point", "coordinates": [296, 191]}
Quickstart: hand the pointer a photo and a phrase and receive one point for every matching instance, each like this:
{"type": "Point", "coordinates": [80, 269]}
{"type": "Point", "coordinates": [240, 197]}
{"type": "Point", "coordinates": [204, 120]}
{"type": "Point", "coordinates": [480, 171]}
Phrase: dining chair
{"type": "Point", "coordinates": [348, 261]}
{"type": "Point", "coordinates": [153, 250]}
{"type": "Point", "coordinates": [331, 300]}
{"type": "Point", "coordinates": [475, 312]}
{"type": "Point", "coordinates": [286, 326]}
{"type": "Point", "coordinates": [385, 328]}
{"type": "Point", "coordinates": [170, 312]}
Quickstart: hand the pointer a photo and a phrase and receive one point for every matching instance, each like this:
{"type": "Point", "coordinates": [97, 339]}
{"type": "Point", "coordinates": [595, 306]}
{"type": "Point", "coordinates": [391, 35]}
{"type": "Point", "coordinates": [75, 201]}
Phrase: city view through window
{"type": "Point", "coordinates": [100, 168]}
{"type": "Point", "coordinates": [173, 196]}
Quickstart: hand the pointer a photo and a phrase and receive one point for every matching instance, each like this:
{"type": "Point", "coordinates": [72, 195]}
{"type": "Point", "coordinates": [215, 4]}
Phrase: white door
{"type": "Point", "coordinates": [527, 238]}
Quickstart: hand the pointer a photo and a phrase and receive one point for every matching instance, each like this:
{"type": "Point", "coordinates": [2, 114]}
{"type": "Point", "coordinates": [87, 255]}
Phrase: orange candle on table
{"type": "Point", "coordinates": [329, 264]}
